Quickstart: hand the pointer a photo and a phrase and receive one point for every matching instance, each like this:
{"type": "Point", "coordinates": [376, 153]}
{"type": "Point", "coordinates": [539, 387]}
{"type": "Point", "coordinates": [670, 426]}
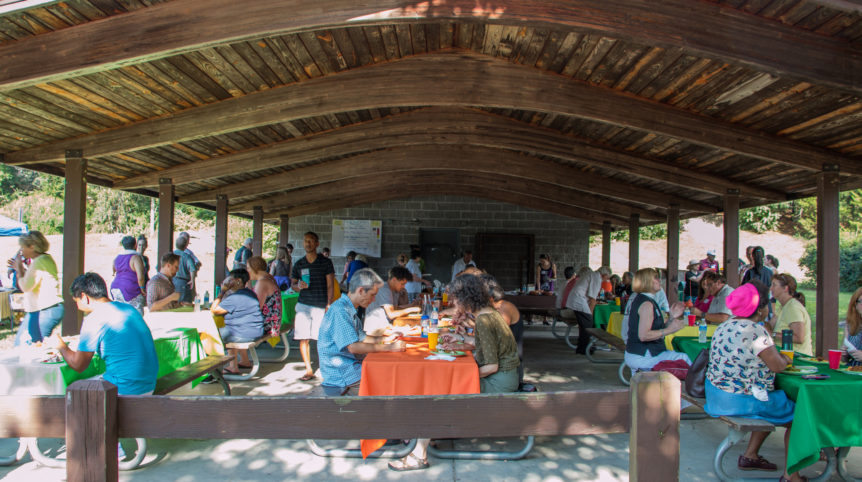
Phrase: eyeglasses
{"type": "Point", "coordinates": [859, 300]}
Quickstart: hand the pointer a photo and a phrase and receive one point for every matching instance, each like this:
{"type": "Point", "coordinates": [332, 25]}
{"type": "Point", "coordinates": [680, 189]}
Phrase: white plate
{"type": "Point", "coordinates": [801, 370]}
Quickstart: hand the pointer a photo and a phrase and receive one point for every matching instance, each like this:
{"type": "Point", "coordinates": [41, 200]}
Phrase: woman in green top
{"type": "Point", "coordinates": [793, 315]}
{"type": "Point", "coordinates": [41, 286]}
{"type": "Point", "coordinates": [496, 351]}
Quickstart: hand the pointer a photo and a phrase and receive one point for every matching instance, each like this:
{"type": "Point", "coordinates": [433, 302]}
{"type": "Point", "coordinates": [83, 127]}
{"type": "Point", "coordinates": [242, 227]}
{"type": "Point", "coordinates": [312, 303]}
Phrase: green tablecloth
{"type": "Point", "coordinates": [602, 313]}
{"type": "Point", "coordinates": [828, 414]}
{"type": "Point", "coordinates": [689, 345]}
{"type": "Point", "coordinates": [288, 308]}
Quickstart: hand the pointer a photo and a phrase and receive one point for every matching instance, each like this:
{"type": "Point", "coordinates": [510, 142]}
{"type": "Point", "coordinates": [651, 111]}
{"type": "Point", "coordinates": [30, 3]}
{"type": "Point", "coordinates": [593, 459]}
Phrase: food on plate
{"type": "Point", "coordinates": [855, 369]}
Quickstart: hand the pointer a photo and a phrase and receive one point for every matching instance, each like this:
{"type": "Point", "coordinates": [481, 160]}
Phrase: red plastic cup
{"type": "Point", "coordinates": [835, 359]}
{"type": "Point", "coordinates": [691, 320]}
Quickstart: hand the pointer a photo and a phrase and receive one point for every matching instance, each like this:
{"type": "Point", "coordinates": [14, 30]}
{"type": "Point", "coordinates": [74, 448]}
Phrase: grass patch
{"type": "Point", "coordinates": [811, 307]}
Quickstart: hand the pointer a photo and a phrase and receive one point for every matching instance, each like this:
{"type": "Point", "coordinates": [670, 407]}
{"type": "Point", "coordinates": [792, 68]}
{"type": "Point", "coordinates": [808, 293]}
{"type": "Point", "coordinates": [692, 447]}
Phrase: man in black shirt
{"type": "Point", "coordinates": [313, 276]}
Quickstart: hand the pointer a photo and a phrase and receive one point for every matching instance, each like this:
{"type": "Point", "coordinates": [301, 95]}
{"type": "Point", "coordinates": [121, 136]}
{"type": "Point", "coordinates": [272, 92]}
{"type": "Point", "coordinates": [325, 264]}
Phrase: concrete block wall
{"type": "Point", "coordinates": [565, 239]}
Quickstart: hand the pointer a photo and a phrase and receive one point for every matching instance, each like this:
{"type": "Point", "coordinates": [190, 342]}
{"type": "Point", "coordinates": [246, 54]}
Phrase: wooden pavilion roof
{"type": "Point", "coordinates": [592, 109]}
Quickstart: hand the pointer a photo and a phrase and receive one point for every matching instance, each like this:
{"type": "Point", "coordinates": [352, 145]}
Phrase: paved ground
{"type": "Point", "coordinates": [549, 362]}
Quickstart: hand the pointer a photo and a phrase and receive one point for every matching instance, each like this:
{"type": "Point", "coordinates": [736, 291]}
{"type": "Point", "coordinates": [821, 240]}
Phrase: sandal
{"type": "Point", "coordinates": [244, 365]}
{"type": "Point", "coordinates": [229, 371]}
{"type": "Point", "coordinates": [759, 463]}
{"type": "Point", "coordinates": [307, 377]}
{"type": "Point", "coordinates": [403, 465]}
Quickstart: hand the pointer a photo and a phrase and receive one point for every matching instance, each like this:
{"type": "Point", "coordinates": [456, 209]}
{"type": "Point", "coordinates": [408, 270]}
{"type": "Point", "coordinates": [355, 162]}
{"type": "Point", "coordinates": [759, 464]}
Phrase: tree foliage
{"type": "Point", "coordinates": [850, 258]}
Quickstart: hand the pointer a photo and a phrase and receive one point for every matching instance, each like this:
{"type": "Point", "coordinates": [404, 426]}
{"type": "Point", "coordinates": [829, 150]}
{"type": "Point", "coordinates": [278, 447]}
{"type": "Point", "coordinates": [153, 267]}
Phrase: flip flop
{"type": "Point", "coordinates": [244, 365]}
{"type": "Point", "coordinates": [403, 465]}
{"type": "Point", "coordinates": [306, 378]}
{"type": "Point", "coordinates": [226, 370]}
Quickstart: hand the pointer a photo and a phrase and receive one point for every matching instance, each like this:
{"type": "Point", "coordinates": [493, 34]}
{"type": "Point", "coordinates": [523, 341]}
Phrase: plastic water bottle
{"type": "Point", "coordinates": [207, 299]}
{"type": "Point", "coordinates": [435, 317]}
{"type": "Point", "coordinates": [197, 303]}
{"type": "Point", "coordinates": [686, 313]}
{"type": "Point", "coordinates": [425, 324]}
{"type": "Point", "coordinates": [701, 332]}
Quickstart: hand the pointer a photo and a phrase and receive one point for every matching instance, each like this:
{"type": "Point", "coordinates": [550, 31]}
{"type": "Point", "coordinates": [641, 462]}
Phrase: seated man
{"type": "Point", "coordinates": [341, 344]}
{"type": "Point", "coordinates": [117, 332]}
{"type": "Point", "coordinates": [161, 294]}
{"type": "Point", "coordinates": [713, 284]}
{"type": "Point", "coordinates": [385, 306]}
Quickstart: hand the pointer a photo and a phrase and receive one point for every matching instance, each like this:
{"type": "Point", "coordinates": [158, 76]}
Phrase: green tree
{"type": "Point", "coordinates": [850, 259]}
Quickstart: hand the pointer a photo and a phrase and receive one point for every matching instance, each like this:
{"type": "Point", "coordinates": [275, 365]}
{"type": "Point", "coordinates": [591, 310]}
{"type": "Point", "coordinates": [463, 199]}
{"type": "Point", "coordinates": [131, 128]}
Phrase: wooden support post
{"type": "Point", "coordinates": [91, 431]}
{"type": "Point", "coordinates": [634, 241]}
{"type": "Point", "coordinates": [283, 224]}
{"type": "Point", "coordinates": [166, 217]}
{"type": "Point", "coordinates": [606, 243]}
{"type": "Point", "coordinates": [672, 251]}
{"type": "Point", "coordinates": [257, 231]}
{"type": "Point", "coordinates": [220, 261]}
{"type": "Point", "coordinates": [828, 262]}
{"type": "Point", "coordinates": [74, 232]}
{"type": "Point", "coordinates": [731, 237]}
{"type": "Point", "coordinates": [654, 434]}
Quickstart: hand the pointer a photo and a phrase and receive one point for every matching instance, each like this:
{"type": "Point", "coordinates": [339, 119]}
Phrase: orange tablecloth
{"type": "Point", "coordinates": [409, 373]}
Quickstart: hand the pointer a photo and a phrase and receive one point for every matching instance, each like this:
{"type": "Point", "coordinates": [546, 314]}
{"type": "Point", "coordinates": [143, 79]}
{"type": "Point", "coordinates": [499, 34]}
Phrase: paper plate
{"type": "Point", "coordinates": [816, 361]}
{"type": "Point", "coordinates": [849, 372]}
{"type": "Point", "coordinates": [448, 353]}
{"type": "Point", "coordinates": [800, 370]}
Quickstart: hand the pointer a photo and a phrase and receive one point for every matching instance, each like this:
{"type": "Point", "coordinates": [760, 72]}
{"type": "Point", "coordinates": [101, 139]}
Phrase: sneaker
{"type": "Point", "coordinates": [759, 463]}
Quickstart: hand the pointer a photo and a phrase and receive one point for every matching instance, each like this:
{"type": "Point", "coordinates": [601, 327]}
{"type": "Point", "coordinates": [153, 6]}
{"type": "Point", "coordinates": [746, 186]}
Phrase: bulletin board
{"type": "Point", "coordinates": [361, 235]}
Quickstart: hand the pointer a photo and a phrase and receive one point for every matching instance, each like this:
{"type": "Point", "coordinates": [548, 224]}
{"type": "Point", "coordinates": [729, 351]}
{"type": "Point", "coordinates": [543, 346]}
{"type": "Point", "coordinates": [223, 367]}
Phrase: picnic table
{"type": "Point", "coordinates": [534, 304]}
{"type": "Point", "coordinates": [827, 412]}
{"type": "Point", "coordinates": [409, 373]}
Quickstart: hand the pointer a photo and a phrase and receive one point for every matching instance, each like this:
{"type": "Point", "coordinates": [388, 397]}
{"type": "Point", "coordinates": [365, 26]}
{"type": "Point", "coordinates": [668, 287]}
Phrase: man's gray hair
{"type": "Point", "coordinates": [605, 271]}
{"type": "Point", "coordinates": [364, 278]}
{"type": "Point", "coordinates": [584, 271]}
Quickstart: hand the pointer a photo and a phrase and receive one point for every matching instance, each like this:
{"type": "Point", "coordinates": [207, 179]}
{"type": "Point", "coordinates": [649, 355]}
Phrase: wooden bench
{"type": "Point", "coordinates": [211, 365]}
{"type": "Point", "coordinates": [251, 346]}
{"type": "Point", "coordinates": [615, 342]}
{"type": "Point", "coordinates": [737, 427]}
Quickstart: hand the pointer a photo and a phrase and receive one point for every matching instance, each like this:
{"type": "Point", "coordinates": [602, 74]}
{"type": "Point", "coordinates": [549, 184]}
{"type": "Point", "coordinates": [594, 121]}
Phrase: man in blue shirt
{"type": "Point", "coordinates": [342, 344]}
{"type": "Point", "coordinates": [118, 333]}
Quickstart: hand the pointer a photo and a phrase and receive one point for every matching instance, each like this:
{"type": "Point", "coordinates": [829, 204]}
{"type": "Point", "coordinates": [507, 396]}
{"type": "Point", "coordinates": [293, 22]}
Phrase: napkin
{"type": "Point", "coordinates": [440, 357]}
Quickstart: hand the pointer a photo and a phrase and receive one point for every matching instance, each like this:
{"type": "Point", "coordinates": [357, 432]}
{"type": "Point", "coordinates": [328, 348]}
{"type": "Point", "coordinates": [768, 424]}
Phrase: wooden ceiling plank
{"type": "Point", "coordinates": [441, 79]}
{"type": "Point", "coordinates": [416, 127]}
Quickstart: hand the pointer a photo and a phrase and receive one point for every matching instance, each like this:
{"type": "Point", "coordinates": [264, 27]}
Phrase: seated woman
{"type": "Point", "coordinates": [740, 379]}
{"type": "Point", "coordinates": [792, 315]}
{"type": "Point", "coordinates": [242, 317]}
{"type": "Point", "coordinates": [853, 331]}
{"type": "Point", "coordinates": [646, 326]}
{"type": "Point", "coordinates": [511, 315]}
{"type": "Point", "coordinates": [267, 293]}
{"type": "Point", "coordinates": [280, 269]}
{"type": "Point", "coordinates": [496, 352]}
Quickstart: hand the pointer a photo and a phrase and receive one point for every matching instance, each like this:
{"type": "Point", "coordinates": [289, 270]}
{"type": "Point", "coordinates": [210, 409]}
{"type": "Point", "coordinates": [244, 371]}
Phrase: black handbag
{"type": "Point", "coordinates": [694, 381]}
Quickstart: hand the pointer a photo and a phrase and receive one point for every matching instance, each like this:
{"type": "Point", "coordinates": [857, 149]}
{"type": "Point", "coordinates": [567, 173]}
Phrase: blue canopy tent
{"type": "Point", "coordinates": [10, 227]}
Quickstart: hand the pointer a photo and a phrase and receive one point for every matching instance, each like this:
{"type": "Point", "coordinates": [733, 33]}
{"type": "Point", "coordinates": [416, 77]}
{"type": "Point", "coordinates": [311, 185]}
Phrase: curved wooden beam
{"type": "Point", "coordinates": [181, 26]}
{"type": "Point", "coordinates": [372, 188]}
{"type": "Point", "coordinates": [442, 79]}
{"type": "Point", "coordinates": [446, 126]}
{"type": "Point", "coordinates": [386, 182]}
{"type": "Point", "coordinates": [460, 161]}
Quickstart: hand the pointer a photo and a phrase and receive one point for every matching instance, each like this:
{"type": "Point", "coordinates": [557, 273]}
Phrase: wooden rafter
{"type": "Point", "coordinates": [586, 202]}
{"type": "Point", "coordinates": [372, 188]}
{"type": "Point", "coordinates": [461, 161]}
{"type": "Point", "coordinates": [184, 25]}
{"type": "Point", "coordinates": [441, 79]}
{"type": "Point", "coordinates": [446, 126]}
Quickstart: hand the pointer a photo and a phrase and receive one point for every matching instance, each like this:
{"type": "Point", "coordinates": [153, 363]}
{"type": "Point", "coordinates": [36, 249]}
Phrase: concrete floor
{"type": "Point", "coordinates": [549, 362]}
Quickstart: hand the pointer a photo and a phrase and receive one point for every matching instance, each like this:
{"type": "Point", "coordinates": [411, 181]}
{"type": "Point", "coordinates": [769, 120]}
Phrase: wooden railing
{"type": "Point", "coordinates": [91, 417]}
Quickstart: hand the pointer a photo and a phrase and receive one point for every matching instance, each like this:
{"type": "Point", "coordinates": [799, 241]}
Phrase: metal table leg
{"type": "Point", "coordinates": [42, 459]}
{"type": "Point", "coordinates": [397, 453]}
{"type": "Point", "coordinates": [482, 454]}
{"type": "Point", "coordinates": [842, 465]}
{"type": "Point", "coordinates": [283, 356]}
{"type": "Point", "coordinates": [255, 366]}
{"type": "Point", "coordinates": [735, 436]}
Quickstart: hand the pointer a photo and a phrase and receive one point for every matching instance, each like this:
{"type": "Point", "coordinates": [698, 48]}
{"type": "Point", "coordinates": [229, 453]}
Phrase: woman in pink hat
{"type": "Point", "coordinates": [740, 379]}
